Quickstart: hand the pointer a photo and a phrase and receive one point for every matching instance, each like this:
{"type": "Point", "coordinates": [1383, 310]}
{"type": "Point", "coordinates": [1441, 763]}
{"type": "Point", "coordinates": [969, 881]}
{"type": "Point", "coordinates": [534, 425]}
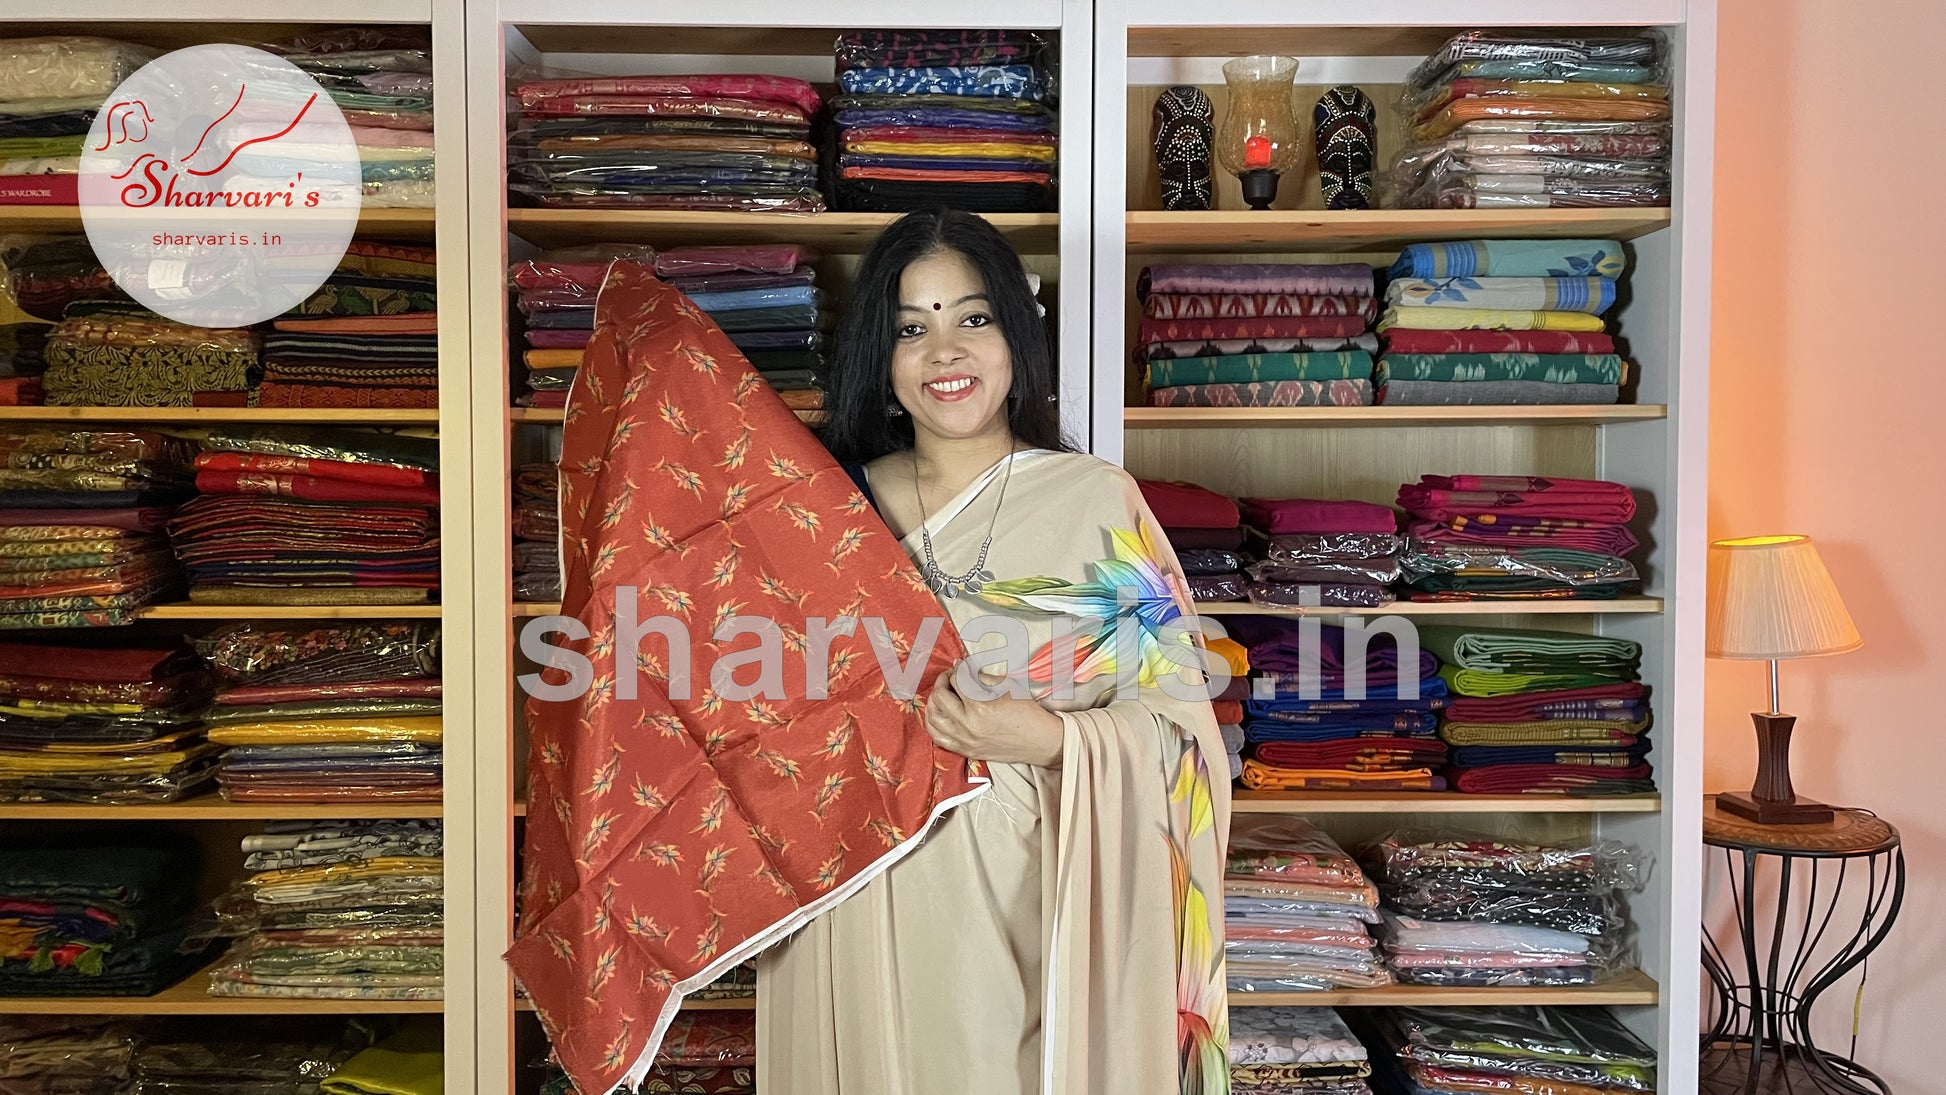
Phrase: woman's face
{"type": "Point", "coordinates": [951, 369]}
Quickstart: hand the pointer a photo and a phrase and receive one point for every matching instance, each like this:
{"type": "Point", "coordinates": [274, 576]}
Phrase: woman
{"type": "Point", "coordinates": [1060, 933]}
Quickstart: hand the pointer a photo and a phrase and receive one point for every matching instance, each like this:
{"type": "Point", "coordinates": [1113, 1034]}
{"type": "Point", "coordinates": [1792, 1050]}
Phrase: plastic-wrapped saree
{"type": "Point", "coordinates": [671, 837]}
{"type": "Point", "coordinates": [1037, 940]}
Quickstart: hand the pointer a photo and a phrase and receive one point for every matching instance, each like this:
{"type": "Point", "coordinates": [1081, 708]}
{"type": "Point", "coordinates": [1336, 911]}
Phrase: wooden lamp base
{"type": "Point", "coordinates": [1771, 800]}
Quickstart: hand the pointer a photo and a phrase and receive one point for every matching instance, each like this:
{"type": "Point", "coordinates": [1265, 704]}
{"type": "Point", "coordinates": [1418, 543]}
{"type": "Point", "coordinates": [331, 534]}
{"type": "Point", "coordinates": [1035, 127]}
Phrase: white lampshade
{"type": "Point", "coordinates": [1771, 597]}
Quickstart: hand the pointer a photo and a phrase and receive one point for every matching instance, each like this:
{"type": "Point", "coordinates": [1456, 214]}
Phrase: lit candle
{"type": "Point", "coordinates": [1256, 152]}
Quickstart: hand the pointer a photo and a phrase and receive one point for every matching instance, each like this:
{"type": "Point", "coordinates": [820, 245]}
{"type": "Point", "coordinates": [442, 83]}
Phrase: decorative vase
{"type": "Point", "coordinates": [1258, 141]}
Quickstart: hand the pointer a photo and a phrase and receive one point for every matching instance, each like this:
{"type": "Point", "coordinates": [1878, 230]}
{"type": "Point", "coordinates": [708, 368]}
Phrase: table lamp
{"type": "Point", "coordinates": [1770, 598]}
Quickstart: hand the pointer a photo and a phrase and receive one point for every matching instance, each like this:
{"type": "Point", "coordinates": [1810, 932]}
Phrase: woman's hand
{"type": "Point", "coordinates": [1002, 731]}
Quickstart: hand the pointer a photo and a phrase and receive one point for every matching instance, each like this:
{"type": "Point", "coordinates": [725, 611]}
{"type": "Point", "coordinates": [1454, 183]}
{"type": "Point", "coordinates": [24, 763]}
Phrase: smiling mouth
{"type": "Point", "coordinates": [951, 387]}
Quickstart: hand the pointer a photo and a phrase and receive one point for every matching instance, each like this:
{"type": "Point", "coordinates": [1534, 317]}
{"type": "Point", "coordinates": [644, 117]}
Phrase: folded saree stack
{"type": "Point", "coordinates": [50, 90]}
{"type": "Point", "coordinates": [1297, 912]}
{"type": "Point", "coordinates": [97, 918]}
{"type": "Point", "coordinates": [764, 297]}
{"type": "Point", "coordinates": [1206, 531]}
{"type": "Point", "coordinates": [1341, 719]}
{"type": "Point", "coordinates": [368, 337]}
{"type": "Point", "coordinates": [1311, 552]}
{"type": "Point", "coordinates": [410, 1061]}
{"type": "Point", "coordinates": [81, 525]}
{"type": "Point", "coordinates": [1461, 1051]}
{"type": "Point", "coordinates": [537, 533]}
{"type": "Point", "coordinates": [960, 118]}
{"type": "Point", "coordinates": [343, 712]}
{"type": "Point", "coordinates": [1296, 1051]}
{"type": "Point", "coordinates": [724, 142]}
{"type": "Point", "coordinates": [382, 81]}
{"type": "Point", "coordinates": [1543, 711]}
{"type": "Point", "coordinates": [101, 724]}
{"type": "Point", "coordinates": [1495, 120]}
{"type": "Point", "coordinates": [303, 515]}
{"type": "Point", "coordinates": [1501, 322]}
{"type": "Point", "coordinates": [338, 910]}
{"type": "Point", "coordinates": [1256, 335]}
{"type": "Point", "coordinates": [1463, 910]}
{"type": "Point", "coordinates": [1481, 537]}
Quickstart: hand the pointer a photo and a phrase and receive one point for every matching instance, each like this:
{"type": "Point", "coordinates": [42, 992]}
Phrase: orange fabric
{"type": "Point", "coordinates": [673, 838]}
{"type": "Point", "coordinates": [405, 323]}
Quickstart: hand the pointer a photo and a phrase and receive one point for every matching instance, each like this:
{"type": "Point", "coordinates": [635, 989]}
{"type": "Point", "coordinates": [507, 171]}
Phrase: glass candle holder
{"type": "Point", "coordinates": [1258, 139]}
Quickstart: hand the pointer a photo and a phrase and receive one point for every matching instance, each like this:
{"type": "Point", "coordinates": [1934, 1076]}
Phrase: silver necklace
{"type": "Point", "coordinates": [949, 585]}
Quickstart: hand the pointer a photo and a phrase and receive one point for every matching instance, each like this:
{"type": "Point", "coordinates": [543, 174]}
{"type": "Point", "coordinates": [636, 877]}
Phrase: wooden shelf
{"type": "Point", "coordinates": [1258, 418]}
{"type": "Point", "coordinates": [210, 807]}
{"type": "Point", "coordinates": [534, 608]}
{"type": "Point", "coordinates": [287, 612]}
{"type": "Point", "coordinates": [1434, 802]}
{"type": "Point", "coordinates": [209, 416]}
{"type": "Point", "coordinates": [1619, 606]}
{"type": "Point", "coordinates": [1365, 230]}
{"type": "Point", "coordinates": [552, 416]}
{"type": "Point", "coordinates": [391, 224]}
{"type": "Point", "coordinates": [1634, 987]}
{"type": "Point", "coordinates": [191, 997]}
{"type": "Point", "coordinates": [830, 233]}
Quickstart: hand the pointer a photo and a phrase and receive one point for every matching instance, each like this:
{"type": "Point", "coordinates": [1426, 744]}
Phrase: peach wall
{"type": "Point", "coordinates": [1828, 417]}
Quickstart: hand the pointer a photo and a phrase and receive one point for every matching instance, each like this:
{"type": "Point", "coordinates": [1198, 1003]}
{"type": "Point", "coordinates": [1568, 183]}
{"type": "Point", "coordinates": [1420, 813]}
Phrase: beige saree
{"type": "Point", "coordinates": [1062, 931]}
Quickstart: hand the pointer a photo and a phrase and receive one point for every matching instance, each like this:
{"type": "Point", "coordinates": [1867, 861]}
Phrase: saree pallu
{"type": "Point", "coordinates": [985, 81]}
{"type": "Point", "coordinates": [1341, 279]}
{"type": "Point", "coordinates": [1202, 330]}
{"type": "Point", "coordinates": [1469, 368]}
{"type": "Point", "coordinates": [1245, 306]}
{"type": "Point", "coordinates": [1365, 343]}
{"type": "Point", "coordinates": [1256, 368]}
{"type": "Point", "coordinates": [1512, 258]}
{"type": "Point", "coordinates": [1281, 393]}
{"type": "Point", "coordinates": [776, 89]}
{"type": "Point", "coordinates": [1593, 295]}
{"type": "Point", "coordinates": [1495, 393]}
{"type": "Point", "coordinates": [759, 518]}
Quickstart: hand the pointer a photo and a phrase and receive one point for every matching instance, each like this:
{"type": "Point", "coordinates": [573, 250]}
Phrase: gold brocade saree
{"type": "Point", "coordinates": [1062, 932]}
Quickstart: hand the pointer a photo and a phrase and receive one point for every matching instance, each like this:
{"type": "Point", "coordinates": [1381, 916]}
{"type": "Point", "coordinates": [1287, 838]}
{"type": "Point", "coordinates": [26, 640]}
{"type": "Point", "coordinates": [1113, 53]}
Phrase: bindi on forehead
{"type": "Point", "coordinates": [936, 306]}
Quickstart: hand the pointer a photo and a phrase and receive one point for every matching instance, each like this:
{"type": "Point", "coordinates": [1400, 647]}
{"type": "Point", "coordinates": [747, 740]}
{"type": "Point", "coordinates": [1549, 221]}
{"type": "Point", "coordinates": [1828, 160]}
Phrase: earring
{"type": "Point", "coordinates": [893, 410]}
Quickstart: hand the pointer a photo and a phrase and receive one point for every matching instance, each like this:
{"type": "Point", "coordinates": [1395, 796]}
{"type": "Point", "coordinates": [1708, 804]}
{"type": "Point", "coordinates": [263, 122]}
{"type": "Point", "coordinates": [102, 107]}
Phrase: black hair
{"type": "Point", "coordinates": [857, 427]}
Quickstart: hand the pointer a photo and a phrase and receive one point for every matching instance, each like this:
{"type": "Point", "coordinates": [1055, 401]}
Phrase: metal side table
{"type": "Point", "coordinates": [1759, 1039]}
